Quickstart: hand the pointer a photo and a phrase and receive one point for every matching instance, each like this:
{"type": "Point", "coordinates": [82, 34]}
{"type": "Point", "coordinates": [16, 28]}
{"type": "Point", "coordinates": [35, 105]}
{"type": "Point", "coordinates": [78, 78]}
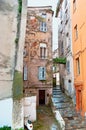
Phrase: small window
{"type": "Point", "coordinates": [76, 32]}
{"type": "Point", "coordinates": [42, 73]}
{"type": "Point", "coordinates": [43, 51]}
{"type": "Point", "coordinates": [43, 26]}
{"type": "Point", "coordinates": [25, 73]}
{"type": "Point", "coordinates": [74, 5]}
{"type": "Point", "coordinates": [68, 66]}
{"type": "Point", "coordinates": [78, 66]}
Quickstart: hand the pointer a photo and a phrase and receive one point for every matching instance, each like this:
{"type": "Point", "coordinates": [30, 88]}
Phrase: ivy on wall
{"type": "Point", "coordinates": [20, 6]}
{"type": "Point", "coordinates": [59, 60]}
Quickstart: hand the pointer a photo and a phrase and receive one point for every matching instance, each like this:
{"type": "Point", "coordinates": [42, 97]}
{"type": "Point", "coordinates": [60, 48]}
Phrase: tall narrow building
{"type": "Point", "coordinates": [65, 48]}
{"type": "Point", "coordinates": [38, 54]}
{"type": "Point", "coordinates": [78, 13]}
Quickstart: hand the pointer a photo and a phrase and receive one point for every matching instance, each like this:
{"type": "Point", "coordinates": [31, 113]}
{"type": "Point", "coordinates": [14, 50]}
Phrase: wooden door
{"type": "Point", "coordinates": [41, 97]}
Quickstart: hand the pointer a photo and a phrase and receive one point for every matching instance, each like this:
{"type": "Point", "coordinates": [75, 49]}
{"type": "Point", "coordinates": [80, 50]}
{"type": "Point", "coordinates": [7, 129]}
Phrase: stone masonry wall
{"type": "Point", "coordinates": [32, 47]}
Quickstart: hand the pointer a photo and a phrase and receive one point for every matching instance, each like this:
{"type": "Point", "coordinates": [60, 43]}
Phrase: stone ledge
{"type": "Point", "coordinates": [60, 119]}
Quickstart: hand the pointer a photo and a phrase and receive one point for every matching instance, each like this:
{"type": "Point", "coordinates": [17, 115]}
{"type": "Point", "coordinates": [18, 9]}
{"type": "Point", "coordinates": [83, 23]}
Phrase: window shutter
{"type": "Point", "coordinates": [68, 66]}
{"type": "Point", "coordinates": [25, 73]}
{"type": "Point", "coordinates": [42, 73]}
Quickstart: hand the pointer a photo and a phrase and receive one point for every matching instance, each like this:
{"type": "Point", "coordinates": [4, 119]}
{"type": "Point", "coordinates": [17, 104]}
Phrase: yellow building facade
{"type": "Point", "coordinates": [78, 17]}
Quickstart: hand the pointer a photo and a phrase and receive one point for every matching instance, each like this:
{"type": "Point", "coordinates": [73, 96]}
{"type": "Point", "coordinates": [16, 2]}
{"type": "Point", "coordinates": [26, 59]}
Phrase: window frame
{"type": "Point", "coordinates": [76, 32]}
{"type": "Point", "coordinates": [43, 50]}
{"type": "Point", "coordinates": [78, 66]}
{"type": "Point", "coordinates": [41, 73]}
{"type": "Point", "coordinates": [68, 66]}
{"type": "Point", "coordinates": [43, 26]}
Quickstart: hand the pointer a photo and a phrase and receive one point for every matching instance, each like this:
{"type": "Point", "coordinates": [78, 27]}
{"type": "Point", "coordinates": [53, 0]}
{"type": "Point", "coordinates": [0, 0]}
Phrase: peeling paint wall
{"type": "Point", "coordinates": [8, 33]}
{"type": "Point", "coordinates": [8, 25]}
{"type": "Point", "coordinates": [33, 60]}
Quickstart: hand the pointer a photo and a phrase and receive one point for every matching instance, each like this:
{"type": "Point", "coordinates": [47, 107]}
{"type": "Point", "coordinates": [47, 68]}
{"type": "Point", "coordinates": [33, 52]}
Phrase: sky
{"type": "Point", "coordinates": [52, 3]}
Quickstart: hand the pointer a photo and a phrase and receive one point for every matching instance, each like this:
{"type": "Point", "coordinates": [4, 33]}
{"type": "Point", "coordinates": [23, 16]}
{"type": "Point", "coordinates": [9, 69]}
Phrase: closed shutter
{"type": "Point", "coordinates": [42, 73]}
{"type": "Point", "coordinates": [68, 66]}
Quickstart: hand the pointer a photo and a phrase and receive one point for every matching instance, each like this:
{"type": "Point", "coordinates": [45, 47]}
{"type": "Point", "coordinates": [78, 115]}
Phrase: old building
{"type": "Point", "coordinates": [78, 14]}
{"type": "Point", "coordinates": [11, 63]}
{"type": "Point", "coordinates": [38, 54]}
{"type": "Point", "coordinates": [65, 47]}
{"type": "Point", "coordinates": [56, 80]}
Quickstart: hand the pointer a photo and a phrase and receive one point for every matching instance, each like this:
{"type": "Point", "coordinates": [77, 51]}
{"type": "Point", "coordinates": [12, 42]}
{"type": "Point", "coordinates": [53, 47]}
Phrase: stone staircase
{"type": "Point", "coordinates": [63, 103]}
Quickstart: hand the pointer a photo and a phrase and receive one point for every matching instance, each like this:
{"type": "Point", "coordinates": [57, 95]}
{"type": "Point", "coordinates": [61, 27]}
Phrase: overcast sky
{"type": "Point", "coordinates": [52, 3]}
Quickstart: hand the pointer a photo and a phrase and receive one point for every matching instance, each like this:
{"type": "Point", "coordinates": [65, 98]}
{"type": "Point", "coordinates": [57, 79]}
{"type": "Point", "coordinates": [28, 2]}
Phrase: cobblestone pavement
{"type": "Point", "coordinates": [73, 120]}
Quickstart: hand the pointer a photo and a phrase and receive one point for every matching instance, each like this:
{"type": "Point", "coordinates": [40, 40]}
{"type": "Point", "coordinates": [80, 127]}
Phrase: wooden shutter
{"type": "Point", "coordinates": [42, 73]}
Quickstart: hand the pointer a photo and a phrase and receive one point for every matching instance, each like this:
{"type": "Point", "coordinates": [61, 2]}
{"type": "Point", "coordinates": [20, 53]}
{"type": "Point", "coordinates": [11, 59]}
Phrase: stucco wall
{"type": "Point", "coordinates": [6, 112]}
{"type": "Point", "coordinates": [8, 25]}
{"type": "Point", "coordinates": [30, 108]}
{"type": "Point", "coordinates": [8, 32]}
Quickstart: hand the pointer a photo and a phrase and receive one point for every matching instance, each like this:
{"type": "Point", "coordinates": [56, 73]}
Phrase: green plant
{"type": "Point", "coordinates": [5, 128]}
{"type": "Point", "coordinates": [59, 60]}
{"type": "Point", "coordinates": [20, 6]}
{"type": "Point", "coordinates": [16, 40]}
{"type": "Point", "coordinates": [21, 129]}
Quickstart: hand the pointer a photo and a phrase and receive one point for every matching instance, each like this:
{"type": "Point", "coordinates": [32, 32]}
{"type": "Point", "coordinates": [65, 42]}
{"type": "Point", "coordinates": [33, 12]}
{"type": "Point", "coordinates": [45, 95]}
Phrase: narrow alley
{"type": "Point", "coordinates": [62, 103]}
{"type": "Point", "coordinates": [43, 64]}
{"type": "Point", "coordinates": [45, 119]}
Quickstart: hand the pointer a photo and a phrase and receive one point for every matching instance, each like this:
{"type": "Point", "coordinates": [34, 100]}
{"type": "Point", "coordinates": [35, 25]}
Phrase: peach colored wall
{"type": "Point", "coordinates": [79, 47]}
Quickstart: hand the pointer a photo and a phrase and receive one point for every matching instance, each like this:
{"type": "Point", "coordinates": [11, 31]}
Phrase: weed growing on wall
{"type": "Point", "coordinates": [17, 85]}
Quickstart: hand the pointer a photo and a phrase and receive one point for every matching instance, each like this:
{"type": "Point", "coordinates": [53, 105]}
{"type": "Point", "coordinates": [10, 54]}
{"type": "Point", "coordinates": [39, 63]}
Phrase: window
{"type": "Point", "coordinates": [78, 66]}
{"type": "Point", "coordinates": [43, 25]}
{"type": "Point", "coordinates": [43, 51]}
{"type": "Point", "coordinates": [74, 5]}
{"type": "Point", "coordinates": [42, 73]}
{"type": "Point", "coordinates": [76, 32]}
{"type": "Point", "coordinates": [43, 15]}
{"type": "Point", "coordinates": [25, 73]}
{"type": "Point", "coordinates": [68, 66]}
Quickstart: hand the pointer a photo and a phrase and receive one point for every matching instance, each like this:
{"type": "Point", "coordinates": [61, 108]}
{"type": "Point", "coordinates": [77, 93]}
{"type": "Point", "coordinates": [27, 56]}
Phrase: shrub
{"type": "Point", "coordinates": [5, 128]}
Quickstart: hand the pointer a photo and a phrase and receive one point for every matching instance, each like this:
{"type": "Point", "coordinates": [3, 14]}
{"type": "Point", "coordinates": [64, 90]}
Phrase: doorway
{"type": "Point", "coordinates": [41, 97]}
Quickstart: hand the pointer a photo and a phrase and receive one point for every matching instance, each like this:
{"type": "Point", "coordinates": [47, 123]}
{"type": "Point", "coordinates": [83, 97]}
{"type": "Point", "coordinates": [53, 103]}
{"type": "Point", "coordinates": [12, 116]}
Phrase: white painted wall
{"type": "Point", "coordinates": [30, 108]}
{"type": "Point", "coordinates": [6, 112]}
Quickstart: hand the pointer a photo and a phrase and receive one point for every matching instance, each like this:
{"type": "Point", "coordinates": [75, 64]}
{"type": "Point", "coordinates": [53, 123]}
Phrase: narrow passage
{"type": "Point", "coordinates": [45, 119]}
